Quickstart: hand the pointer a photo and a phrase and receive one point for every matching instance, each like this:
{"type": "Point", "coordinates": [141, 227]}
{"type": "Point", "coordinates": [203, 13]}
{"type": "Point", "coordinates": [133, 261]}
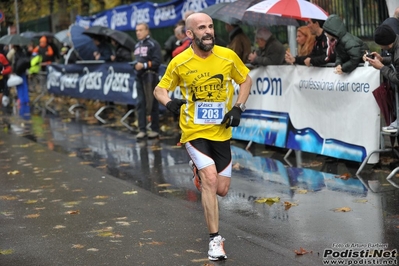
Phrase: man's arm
{"type": "Point", "coordinates": [161, 95]}
{"type": "Point", "coordinates": [245, 88]}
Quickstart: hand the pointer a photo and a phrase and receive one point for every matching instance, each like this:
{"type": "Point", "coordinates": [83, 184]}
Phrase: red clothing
{"type": "Point", "coordinates": [6, 65]}
{"type": "Point", "coordinates": [186, 43]}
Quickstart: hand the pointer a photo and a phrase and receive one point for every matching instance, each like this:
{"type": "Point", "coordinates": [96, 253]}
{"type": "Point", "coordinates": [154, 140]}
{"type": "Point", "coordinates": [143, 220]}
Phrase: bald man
{"type": "Point", "coordinates": [204, 73]}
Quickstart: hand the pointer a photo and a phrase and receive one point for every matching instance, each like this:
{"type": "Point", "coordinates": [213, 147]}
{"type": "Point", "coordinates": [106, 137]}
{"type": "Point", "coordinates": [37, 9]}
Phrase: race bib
{"type": "Point", "coordinates": [208, 113]}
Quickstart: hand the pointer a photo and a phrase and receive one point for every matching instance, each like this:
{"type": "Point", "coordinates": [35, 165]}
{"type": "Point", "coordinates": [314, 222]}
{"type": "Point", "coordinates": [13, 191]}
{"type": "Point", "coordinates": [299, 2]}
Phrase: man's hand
{"type": "Point", "coordinates": [174, 105]}
{"type": "Point", "coordinates": [232, 117]}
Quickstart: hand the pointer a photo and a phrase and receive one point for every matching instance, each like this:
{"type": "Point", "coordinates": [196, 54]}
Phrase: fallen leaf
{"type": "Point", "coordinates": [101, 203]}
{"type": "Point", "coordinates": [92, 249]}
{"type": "Point", "coordinates": [288, 205]}
{"type": "Point", "coordinates": [266, 200]}
{"type": "Point", "coordinates": [130, 192]}
{"type": "Point", "coordinates": [345, 176]}
{"type": "Point", "coordinates": [360, 201]}
{"type": "Point", "coordinates": [301, 191]}
{"type": "Point", "coordinates": [193, 251]}
{"type": "Point", "coordinates": [168, 191]}
{"type": "Point", "coordinates": [149, 231]}
{"type": "Point", "coordinates": [32, 215]}
{"type": "Point", "coordinates": [8, 197]}
{"type": "Point", "coordinates": [85, 163]}
{"type": "Point", "coordinates": [77, 246]}
{"type": "Point", "coordinates": [164, 185]}
{"type": "Point", "coordinates": [105, 234]}
{"type": "Point", "coordinates": [202, 260]}
{"type": "Point", "coordinates": [30, 201]}
{"type": "Point", "coordinates": [155, 243]}
{"type": "Point", "coordinates": [6, 251]}
{"type": "Point", "coordinates": [15, 172]}
{"type": "Point", "coordinates": [342, 209]}
{"type": "Point", "coordinates": [21, 190]}
{"type": "Point", "coordinates": [236, 166]}
{"type": "Point", "coordinates": [123, 223]}
{"type": "Point", "coordinates": [59, 227]}
{"type": "Point", "coordinates": [301, 251]}
{"type": "Point", "coordinates": [73, 212]}
{"type": "Point", "coordinates": [101, 197]}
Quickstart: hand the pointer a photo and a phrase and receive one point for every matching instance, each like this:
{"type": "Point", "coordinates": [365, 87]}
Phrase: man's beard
{"type": "Point", "coordinates": [202, 46]}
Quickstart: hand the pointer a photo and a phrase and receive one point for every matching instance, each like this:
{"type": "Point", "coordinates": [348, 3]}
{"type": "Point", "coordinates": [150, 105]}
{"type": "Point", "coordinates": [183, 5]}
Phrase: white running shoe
{"type": "Point", "coordinates": [394, 124]}
{"type": "Point", "coordinates": [390, 129]}
{"type": "Point", "coordinates": [216, 249]}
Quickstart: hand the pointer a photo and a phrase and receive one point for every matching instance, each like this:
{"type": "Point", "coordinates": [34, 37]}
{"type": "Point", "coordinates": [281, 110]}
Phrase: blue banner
{"type": "Point", "coordinates": [126, 17]}
{"type": "Point", "coordinates": [107, 82]}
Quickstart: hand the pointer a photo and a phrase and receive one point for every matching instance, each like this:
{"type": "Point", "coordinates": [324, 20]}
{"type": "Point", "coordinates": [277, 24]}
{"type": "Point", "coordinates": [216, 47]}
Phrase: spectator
{"type": "Point", "coordinates": [122, 53]}
{"type": "Point", "coordinates": [349, 49]}
{"type": "Point", "coordinates": [46, 51]}
{"type": "Point", "coordinates": [270, 50]}
{"type": "Point", "coordinates": [388, 40]}
{"type": "Point", "coordinates": [104, 51]}
{"type": "Point", "coordinates": [305, 40]}
{"type": "Point", "coordinates": [148, 54]}
{"type": "Point", "coordinates": [63, 53]}
{"type": "Point", "coordinates": [56, 50]}
{"type": "Point", "coordinates": [21, 62]}
{"type": "Point", "coordinates": [393, 21]}
{"type": "Point", "coordinates": [5, 70]}
{"type": "Point", "coordinates": [239, 41]}
{"type": "Point", "coordinates": [207, 142]}
{"type": "Point", "coordinates": [184, 41]}
{"type": "Point", "coordinates": [318, 55]}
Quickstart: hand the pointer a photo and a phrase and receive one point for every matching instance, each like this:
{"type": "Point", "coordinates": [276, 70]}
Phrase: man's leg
{"type": "Point", "coordinates": [141, 107]}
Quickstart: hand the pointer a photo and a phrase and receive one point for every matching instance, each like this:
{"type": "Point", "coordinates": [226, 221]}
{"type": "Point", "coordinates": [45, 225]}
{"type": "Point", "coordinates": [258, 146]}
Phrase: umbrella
{"type": "Point", "coordinates": [213, 12]}
{"type": "Point", "coordinates": [235, 12]}
{"type": "Point", "coordinates": [298, 9]}
{"type": "Point", "coordinates": [28, 34]}
{"type": "Point", "coordinates": [122, 38]}
{"type": "Point", "coordinates": [63, 36]}
{"type": "Point", "coordinates": [96, 31]}
{"type": "Point", "coordinates": [14, 39]}
{"type": "Point", "coordinates": [82, 43]}
{"type": "Point", "coordinates": [44, 33]}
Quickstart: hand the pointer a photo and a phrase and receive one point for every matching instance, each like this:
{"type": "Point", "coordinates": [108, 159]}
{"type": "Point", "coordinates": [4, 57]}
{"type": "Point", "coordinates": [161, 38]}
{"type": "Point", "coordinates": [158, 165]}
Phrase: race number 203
{"type": "Point", "coordinates": [208, 112]}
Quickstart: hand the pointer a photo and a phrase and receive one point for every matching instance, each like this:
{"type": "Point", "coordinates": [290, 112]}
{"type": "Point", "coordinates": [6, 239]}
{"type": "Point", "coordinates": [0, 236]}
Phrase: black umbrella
{"type": "Point", "coordinates": [97, 31]}
{"type": "Point", "coordinates": [28, 34]}
{"type": "Point", "coordinates": [122, 38]}
{"type": "Point", "coordinates": [213, 12]}
{"type": "Point", "coordinates": [14, 39]}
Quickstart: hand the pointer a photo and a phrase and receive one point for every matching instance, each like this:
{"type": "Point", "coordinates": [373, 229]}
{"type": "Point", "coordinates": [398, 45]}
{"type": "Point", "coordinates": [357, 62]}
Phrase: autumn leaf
{"type": "Point", "coordinates": [288, 205]}
{"type": "Point", "coordinates": [32, 215]}
{"type": "Point", "coordinates": [6, 251]}
{"type": "Point", "coordinates": [301, 191]}
{"type": "Point", "coordinates": [193, 251]}
{"type": "Point", "coordinates": [130, 192]}
{"type": "Point", "coordinates": [30, 201]}
{"type": "Point", "coordinates": [301, 251]}
{"type": "Point", "coordinates": [164, 185]}
{"type": "Point", "coordinates": [101, 197]}
{"type": "Point", "coordinates": [59, 227]}
{"type": "Point", "coordinates": [155, 243]}
{"type": "Point", "coordinates": [268, 200]}
{"type": "Point", "coordinates": [77, 246]}
{"type": "Point", "coordinates": [73, 212]}
{"type": "Point", "coordinates": [342, 209]}
{"type": "Point", "coordinates": [236, 166]}
{"type": "Point", "coordinates": [360, 201]}
{"type": "Point", "coordinates": [345, 176]}
{"type": "Point", "coordinates": [8, 198]}
{"type": "Point", "coordinates": [149, 231]}
{"type": "Point", "coordinates": [92, 249]}
{"type": "Point", "coordinates": [15, 172]}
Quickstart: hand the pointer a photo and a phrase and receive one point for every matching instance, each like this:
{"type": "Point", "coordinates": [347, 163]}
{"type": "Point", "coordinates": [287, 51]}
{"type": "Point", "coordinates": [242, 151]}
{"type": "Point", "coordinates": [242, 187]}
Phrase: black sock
{"type": "Point", "coordinates": [211, 236]}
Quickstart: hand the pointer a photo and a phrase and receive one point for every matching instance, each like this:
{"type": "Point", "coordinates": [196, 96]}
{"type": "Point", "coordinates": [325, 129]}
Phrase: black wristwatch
{"type": "Point", "coordinates": [241, 106]}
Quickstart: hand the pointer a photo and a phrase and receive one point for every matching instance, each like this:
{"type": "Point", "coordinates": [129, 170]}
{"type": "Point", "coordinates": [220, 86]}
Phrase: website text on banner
{"type": "Point", "coordinates": [313, 110]}
{"type": "Point", "coordinates": [106, 82]}
{"type": "Point", "coordinates": [156, 15]}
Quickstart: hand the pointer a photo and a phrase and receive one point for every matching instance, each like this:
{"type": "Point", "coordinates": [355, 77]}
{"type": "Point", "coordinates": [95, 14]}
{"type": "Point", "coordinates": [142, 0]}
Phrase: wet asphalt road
{"type": "Point", "coordinates": [94, 171]}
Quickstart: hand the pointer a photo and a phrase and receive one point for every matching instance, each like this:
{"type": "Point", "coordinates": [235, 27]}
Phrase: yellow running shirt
{"type": "Point", "coordinates": [207, 86]}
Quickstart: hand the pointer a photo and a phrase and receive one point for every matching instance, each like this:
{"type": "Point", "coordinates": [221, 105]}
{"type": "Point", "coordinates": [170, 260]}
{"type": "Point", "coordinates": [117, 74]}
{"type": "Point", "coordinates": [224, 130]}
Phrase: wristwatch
{"type": "Point", "coordinates": [241, 106]}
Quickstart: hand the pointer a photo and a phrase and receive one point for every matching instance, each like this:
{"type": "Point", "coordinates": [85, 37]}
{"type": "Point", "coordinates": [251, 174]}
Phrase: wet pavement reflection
{"type": "Point", "coordinates": [291, 199]}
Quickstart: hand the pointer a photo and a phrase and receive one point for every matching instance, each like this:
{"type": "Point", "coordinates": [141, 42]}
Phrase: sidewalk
{"type": "Point", "coordinates": [56, 210]}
